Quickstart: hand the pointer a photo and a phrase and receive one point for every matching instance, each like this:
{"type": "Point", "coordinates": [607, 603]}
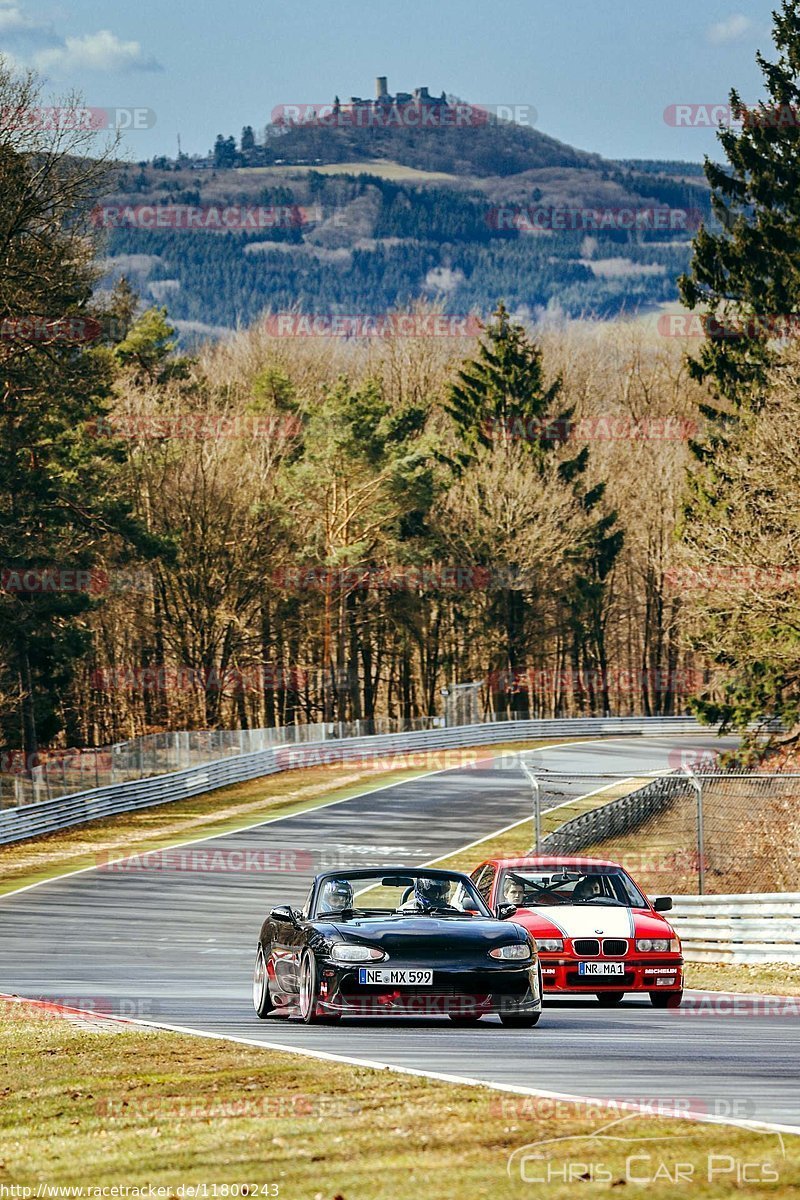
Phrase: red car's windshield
{"type": "Point", "coordinates": [529, 887]}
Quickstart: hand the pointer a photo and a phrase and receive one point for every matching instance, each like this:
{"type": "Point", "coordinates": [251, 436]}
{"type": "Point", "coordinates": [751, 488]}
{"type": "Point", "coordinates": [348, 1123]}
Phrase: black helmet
{"type": "Point", "coordinates": [337, 896]}
{"type": "Point", "coordinates": [432, 893]}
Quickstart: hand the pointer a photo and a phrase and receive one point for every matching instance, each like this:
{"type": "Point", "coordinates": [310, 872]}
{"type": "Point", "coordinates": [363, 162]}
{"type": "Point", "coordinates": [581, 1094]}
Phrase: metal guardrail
{"type": "Point", "coordinates": [47, 816]}
{"type": "Point", "coordinates": [739, 929]}
{"type": "Point", "coordinates": [617, 817]}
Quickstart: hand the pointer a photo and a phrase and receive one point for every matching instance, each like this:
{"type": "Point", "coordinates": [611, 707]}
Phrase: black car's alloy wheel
{"type": "Point", "coordinates": [261, 997]}
{"type": "Point", "coordinates": [309, 989]}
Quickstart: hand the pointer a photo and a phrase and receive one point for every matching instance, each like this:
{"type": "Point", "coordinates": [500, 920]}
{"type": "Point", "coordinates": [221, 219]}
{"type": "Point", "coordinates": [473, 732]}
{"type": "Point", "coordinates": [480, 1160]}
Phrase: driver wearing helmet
{"type": "Point", "coordinates": [591, 886]}
{"type": "Point", "coordinates": [430, 893]}
{"type": "Point", "coordinates": [337, 897]}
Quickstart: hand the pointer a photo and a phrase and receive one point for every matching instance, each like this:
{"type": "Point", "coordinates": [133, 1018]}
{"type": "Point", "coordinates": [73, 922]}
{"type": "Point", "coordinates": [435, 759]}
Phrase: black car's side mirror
{"type": "Point", "coordinates": [283, 915]}
{"type": "Point", "coordinates": [504, 911]}
{"type": "Point", "coordinates": [662, 903]}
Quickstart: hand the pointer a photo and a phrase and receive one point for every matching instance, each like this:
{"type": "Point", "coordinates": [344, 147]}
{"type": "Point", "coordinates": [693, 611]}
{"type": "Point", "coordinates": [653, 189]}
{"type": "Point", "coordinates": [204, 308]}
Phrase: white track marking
{"type": "Point", "coordinates": [442, 1076]}
{"type": "Point", "coordinates": [212, 837]}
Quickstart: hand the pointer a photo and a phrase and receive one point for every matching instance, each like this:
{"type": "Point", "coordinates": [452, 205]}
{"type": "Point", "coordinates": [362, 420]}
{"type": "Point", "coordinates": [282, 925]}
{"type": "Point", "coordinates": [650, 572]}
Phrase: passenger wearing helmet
{"type": "Point", "coordinates": [337, 897]}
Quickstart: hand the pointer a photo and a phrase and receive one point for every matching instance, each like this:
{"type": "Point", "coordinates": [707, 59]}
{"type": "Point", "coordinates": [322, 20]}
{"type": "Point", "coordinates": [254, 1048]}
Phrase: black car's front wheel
{"type": "Point", "coordinates": [262, 1001]}
{"type": "Point", "coordinates": [309, 989]}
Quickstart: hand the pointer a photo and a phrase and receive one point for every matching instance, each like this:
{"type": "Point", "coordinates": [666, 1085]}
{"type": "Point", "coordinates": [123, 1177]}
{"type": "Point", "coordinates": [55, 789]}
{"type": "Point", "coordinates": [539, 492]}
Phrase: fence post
{"type": "Point", "coordinates": [697, 784]}
{"type": "Point", "coordinates": [537, 804]}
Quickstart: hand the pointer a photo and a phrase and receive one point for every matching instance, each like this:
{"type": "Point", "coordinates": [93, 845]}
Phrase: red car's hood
{"type": "Point", "coordinates": [591, 920]}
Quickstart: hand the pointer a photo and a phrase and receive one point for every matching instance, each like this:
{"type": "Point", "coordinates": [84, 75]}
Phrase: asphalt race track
{"type": "Point", "coordinates": [172, 943]}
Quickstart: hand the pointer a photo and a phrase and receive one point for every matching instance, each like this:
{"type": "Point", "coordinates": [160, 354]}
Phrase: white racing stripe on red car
{"type": "Point", "coordinates": [586, 920]}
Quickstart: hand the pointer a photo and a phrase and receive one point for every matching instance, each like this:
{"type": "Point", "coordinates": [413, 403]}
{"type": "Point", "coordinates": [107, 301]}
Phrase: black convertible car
{"type": "Point", "coordinates": [396, 940]}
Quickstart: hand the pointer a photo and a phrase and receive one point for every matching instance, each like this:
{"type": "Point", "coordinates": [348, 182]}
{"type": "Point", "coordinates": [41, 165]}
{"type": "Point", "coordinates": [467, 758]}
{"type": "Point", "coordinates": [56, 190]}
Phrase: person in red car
{"type": "Point", "coordinates": [596, 930]}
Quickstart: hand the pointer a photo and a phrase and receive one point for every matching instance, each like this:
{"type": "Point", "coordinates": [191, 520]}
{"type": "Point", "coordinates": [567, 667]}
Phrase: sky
{"type": "Point", "coordinates": [599, 74]}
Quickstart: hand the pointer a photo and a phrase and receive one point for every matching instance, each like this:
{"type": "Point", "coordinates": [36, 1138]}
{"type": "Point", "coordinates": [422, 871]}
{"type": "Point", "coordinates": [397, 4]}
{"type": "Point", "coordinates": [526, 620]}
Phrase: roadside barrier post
{"type": "Point", "coordinates": [537, 805]}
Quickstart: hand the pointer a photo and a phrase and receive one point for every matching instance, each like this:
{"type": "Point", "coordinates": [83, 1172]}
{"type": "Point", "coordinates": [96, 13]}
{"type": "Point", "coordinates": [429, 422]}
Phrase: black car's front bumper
{"type": "Point", "coordinates": [454, 992]}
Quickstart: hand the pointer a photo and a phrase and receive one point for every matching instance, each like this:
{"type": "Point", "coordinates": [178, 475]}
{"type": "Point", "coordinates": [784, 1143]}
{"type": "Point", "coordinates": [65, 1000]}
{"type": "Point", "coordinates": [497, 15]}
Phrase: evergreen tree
{"type": "Point", "coordinates": [750, 268]}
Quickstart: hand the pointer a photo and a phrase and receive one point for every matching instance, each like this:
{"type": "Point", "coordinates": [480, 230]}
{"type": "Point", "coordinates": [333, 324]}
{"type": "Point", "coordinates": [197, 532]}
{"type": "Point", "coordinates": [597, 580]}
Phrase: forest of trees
{"type": "Point", "coordinates": [280, 530]}
{"type": "Point", "coordinates": [367, 244]}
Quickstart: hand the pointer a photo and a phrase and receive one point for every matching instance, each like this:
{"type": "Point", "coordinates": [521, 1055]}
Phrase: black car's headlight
{"type": "Point", "coordinates": [658, 945]}
{"type": "Point", "coordinates": [344, 953]}
{"type": "Point", "coordinates": [518, 952]}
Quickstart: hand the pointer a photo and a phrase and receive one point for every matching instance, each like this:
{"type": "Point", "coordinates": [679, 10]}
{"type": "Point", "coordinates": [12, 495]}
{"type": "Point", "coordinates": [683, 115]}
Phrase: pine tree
{"type": "Point", "coordinates": [750, 268]}
{"type": "Point", "coordinates": [502, 398]}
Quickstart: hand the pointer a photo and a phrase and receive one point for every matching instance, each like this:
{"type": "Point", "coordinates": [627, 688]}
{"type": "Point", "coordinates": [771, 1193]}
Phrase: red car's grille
{"type": "Point", "coordinates": [590, 947]}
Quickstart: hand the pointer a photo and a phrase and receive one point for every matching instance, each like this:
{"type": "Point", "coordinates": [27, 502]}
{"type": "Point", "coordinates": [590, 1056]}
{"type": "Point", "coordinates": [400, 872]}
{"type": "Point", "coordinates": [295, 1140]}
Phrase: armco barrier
{"type": "Point", "coordinates": [739, 929]}
{"type": "Point", "coordinates": [32, 820]}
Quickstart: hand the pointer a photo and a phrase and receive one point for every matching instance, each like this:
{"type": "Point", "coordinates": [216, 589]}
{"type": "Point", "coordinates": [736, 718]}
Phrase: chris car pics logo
{"type": "Point", "coordinates": [612, 1156]}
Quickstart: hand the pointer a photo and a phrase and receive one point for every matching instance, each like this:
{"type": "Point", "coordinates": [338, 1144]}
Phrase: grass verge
{"type": "Point", "coordinates": [517, 839]}
{"type": "Point", "coordinates": [224, 811]}
{"type": "Point", "coordinates": [133, 1108]}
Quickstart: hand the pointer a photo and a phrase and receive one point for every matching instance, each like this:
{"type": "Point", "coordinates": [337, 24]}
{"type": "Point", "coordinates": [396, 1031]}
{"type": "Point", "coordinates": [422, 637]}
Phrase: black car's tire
{"type": "Point", "coordinates": [666, 999]}
{"type": "Point", "coordinates": [520, 1020]}
{"type": "Point", "coordinates": [608, 999]}
{"type": "Point", "coordinates": [262, 1001]}
{"type": "Point", "coordinates": [465, 1018]}
{"type": "Point", "coordinates": [309, 989]}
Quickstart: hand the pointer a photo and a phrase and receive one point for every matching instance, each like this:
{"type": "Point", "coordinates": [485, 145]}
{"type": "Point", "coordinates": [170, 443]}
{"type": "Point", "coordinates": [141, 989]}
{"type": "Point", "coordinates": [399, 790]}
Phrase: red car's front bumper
{"type": "Point", "coordinates": [652, 973]}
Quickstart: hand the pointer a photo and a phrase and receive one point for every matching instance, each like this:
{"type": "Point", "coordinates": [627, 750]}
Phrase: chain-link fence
{"type": "Point", "coordinates": [711, 832]}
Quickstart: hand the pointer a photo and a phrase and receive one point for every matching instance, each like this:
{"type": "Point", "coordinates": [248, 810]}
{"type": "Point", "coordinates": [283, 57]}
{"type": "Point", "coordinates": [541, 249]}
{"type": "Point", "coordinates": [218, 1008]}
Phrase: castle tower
{"type": "Point", "coordinates": [382, 87]}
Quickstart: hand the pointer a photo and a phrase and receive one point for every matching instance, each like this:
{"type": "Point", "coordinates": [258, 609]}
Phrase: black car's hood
{"type": "Point", "coordinates": [416, 934]}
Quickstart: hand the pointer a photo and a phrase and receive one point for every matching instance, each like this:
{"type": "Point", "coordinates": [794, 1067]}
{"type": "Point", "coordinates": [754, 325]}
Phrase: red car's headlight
{"type": "Point", "coordinates": [551, 945]}
{"type": "Point", "coordinates": [658, 945]}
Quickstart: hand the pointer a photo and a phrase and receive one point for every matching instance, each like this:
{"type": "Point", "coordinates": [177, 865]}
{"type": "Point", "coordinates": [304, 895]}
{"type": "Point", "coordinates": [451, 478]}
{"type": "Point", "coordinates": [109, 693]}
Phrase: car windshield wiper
{"type": "Point", "coordinates": [600, 900]}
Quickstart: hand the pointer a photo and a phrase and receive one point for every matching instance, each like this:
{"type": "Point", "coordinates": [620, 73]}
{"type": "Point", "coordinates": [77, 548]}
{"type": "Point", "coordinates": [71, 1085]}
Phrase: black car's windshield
{"type": "Point", "coordinates": [531, 887]}
{"type": "Point", "coordinates": [354, 894]}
